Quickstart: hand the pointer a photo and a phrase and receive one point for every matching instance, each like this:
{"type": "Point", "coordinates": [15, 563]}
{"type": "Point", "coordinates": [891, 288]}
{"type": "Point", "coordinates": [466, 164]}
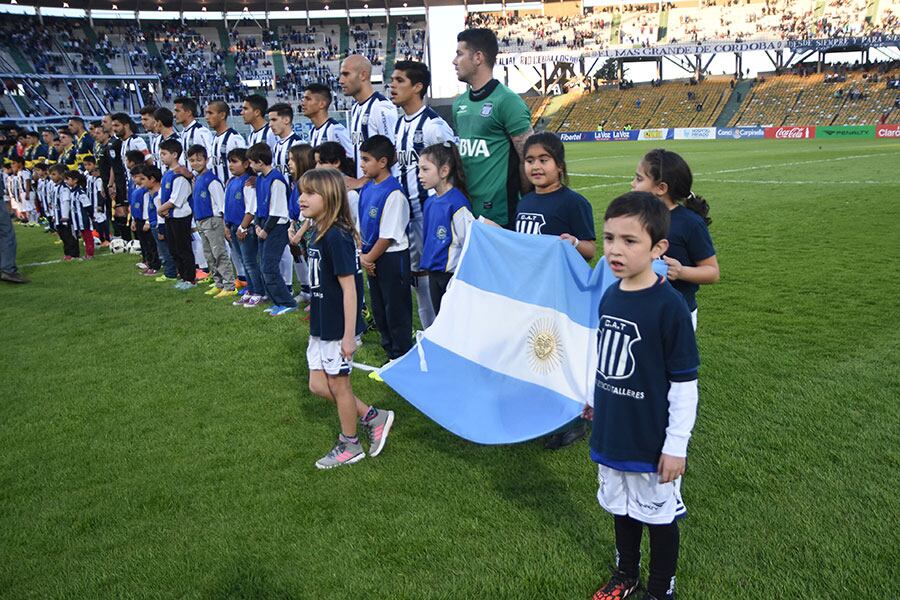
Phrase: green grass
{"type": "Point", "coordinates": [161, 445]}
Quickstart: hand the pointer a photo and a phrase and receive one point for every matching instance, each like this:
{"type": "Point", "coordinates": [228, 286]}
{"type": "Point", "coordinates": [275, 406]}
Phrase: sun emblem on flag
{"type": "Point", "coordinates": [545, 351]}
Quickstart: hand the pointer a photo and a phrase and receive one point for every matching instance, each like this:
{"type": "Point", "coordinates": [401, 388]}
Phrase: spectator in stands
{"type": "Point", "coordinates": [491, 149]}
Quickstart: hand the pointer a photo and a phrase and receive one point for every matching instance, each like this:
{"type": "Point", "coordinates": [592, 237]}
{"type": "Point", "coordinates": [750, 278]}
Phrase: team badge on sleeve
{"type": "Point", "coordinates": [615, 339]}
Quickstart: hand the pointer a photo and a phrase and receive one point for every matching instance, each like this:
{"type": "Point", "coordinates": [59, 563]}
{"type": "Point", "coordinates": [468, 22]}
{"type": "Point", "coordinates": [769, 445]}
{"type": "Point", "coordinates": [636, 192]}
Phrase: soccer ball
{"type": "Point", "coordinates": [134, 247]}
{"type": "Point", "coordinates": [117, 246]}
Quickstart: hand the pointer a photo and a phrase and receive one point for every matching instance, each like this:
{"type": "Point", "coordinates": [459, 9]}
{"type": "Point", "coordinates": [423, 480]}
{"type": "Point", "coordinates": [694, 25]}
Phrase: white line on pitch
{"type": "Point", "coordinates": [797, 163]}
{"type": "Point", "coordinates": [791, 182]}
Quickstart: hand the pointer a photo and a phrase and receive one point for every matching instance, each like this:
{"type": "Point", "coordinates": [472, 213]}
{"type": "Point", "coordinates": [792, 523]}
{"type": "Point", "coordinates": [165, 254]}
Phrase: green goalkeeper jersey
{"type": "Point", "coordinates": [485, 121]}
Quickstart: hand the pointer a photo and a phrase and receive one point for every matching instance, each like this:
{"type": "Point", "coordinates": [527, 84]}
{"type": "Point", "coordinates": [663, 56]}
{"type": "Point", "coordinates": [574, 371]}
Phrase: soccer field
{"type": "Point", "coordinates": [158, 444]}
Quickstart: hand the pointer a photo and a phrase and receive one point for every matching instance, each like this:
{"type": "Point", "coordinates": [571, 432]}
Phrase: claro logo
{"type": "Point", "coordinates": [888, 131]}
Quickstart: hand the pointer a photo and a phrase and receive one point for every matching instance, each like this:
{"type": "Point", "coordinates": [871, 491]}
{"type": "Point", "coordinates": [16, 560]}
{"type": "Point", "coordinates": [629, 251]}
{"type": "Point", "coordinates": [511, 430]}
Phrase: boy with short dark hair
{"type": "Point", "coordinates": [383, 220]}
{"type": "Point", "coordinates": [208, 203]}
{"type": "Point", "coordinates": [143, 220]}
{"type": "Point", "coordinates": [176, 209]}
{"type": "Point", "coordinates": [645, 399]}
{"type": "Point", "coordinates": [272, 219]}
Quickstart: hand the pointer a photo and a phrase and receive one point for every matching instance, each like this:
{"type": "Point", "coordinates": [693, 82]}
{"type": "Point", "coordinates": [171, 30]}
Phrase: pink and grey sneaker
{"type": "Point", "coordinates": [345, 452]}
{"type": "Point", "coordinates": [377, 426]}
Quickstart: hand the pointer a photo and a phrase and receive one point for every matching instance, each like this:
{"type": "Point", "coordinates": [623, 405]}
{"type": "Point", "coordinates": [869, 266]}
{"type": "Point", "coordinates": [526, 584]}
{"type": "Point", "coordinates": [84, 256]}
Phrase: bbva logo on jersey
{"type": "Point", "coordinates": [615, 339]}
{"type": "Point", "coordinates": [476, 147]}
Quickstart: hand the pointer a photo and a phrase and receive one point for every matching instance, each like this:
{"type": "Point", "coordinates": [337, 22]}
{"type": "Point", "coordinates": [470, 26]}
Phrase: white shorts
{"type": "Point", "coordinates": [416, 232]}
{"type": "Point", "coordinates": [640, 496]}
{"type": "Point", "coordinates": [325, 355]}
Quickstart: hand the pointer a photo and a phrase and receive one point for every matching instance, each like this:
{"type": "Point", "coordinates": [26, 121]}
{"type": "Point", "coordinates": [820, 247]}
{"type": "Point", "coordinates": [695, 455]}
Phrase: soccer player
{"type": "Point", "coordinates": [192, 132]}
{"type": "Point", "coordinates": [123, 127]}
{"type": "Point", "coordinates": [151, 126]}
{"type": "Point", "coordinates": [314, 105]}
{"type": "Point", "coordinates": [281, 120]}
{"type": "Point", "coordinates": [68, 153]}
{"type": "Point", "coordinates": [419, 127]}
{"type": "Point", "coordinates": [493, 123]}
{"type": "Point", "coordinates": [84, 143]}
{"type": "Point", "coordinates": [226, 139]}
{"type": "Point", "coordinates": [165, 127]}
{"type": "Point", "coordinates": [47, 136]}
{"type": "Point", "coordinates": [371, 113]}
{"type": "Point", "coordinates": [253, 111]}
{"type": "Point", "coordinates": [645, 398]}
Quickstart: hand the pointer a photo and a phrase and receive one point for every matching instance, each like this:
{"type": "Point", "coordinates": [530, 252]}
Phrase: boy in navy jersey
{"type": "Point", "coordinates": [383, 220]}
{"type": "Point", "coordinates": [645, 399]}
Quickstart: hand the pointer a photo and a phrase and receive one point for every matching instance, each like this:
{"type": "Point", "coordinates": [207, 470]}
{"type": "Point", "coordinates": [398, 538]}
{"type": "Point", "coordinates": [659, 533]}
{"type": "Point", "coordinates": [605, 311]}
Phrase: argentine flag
{"type": "Point", "coordinates": [513, 353]}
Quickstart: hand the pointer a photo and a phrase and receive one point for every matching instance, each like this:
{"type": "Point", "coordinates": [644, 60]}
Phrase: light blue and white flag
{"type": "Point", "coordinates": [513, 353]}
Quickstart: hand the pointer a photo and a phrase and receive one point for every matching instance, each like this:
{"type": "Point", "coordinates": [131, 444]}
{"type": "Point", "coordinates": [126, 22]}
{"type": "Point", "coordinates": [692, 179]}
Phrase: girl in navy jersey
{"type": "Point", "coordinates": [447, 216]}
{"type": "Point", "coordinates": [555, 209]}
{"type": "Point", "coordinates": [336, 316]}
{"type": "Point", "coordinates": [691, 257]}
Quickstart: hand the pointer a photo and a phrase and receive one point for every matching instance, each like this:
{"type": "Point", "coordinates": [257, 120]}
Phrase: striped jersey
{"type": "Point", "coordinates": [376, 116]}
{"type": "Point", "coordinates": [222, 144]}
{"type": "Point", "coordinates": [195, 133]}
{"type": "Point", "coordinates": [331, 131]}
{"type": "Point", "coordinates": [281, 154]}
{"type": "Point", "coordinates": [413, 134]}
{"type": "Point", "coordinates": [263, 134]}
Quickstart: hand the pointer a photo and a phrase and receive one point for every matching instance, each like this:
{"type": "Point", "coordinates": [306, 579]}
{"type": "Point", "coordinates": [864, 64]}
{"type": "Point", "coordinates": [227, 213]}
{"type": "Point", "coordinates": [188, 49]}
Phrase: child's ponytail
{"type": "Point", "coordinates": [698, 205]}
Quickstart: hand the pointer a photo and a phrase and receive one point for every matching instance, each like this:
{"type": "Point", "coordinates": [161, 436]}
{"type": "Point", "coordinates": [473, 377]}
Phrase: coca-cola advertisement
{"type": "Point", "coordinates": [888, 131]}
{"type": "Point", "coordinates": [790, 133]}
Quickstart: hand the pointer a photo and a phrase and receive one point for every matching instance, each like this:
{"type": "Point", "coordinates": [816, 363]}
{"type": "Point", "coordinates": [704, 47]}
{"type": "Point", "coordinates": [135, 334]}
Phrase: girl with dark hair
{"type": "Point", "coordinates": [332, 155]}
{"type": "Point", "coordinates": [447, 216]}
{"type": "Point", "coordinates": [553, 208]}
{"type": "Point", "coordinates": [691, 256]}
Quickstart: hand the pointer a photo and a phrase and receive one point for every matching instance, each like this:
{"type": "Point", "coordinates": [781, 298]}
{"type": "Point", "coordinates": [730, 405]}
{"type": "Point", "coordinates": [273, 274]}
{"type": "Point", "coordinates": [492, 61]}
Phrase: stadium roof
{"type": "Point", "coordinates": [318, 8]}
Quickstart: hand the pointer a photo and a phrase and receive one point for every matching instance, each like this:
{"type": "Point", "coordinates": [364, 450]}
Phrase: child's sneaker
{"type": "Point", "coordinates": [619, 586]}
{"type": "Point", "coordinates": [212, 291]}
{"type": "Point", "coordinates": [225, 294]}
{"type": "Point", "coordinates": [271, 308]}
{"type": "Point", "coordinates": [150, 273]}
{"type": "Point", "coordinates": [252, 301]}
{"type": "Point", "coordinates": [343, 453]}
{"type": "Point", "coordinates": [378, 429]}
{"type": "Point", "coordinates": [68, 258]}
{"type": "Point", "coordinates": [162, 278]}
{"type": "Point", "coordinates": [141, 265]}
{"type": "Point", "coordinates": [200, 275]}
{"type": "Point", "coordinates": [241, 300]}
{"type": "Point", "coordinates": [282, 310]}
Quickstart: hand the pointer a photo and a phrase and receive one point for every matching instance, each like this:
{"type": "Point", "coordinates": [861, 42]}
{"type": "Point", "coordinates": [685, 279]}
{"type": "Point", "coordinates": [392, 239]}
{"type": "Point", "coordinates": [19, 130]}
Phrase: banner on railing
{"type": "Point", "coordinates": [887, 131]}
{"type": "Point", "coordinates": [740, 133]}
{"type": "Point", "coordinates": [790, 132]}
{"type": "Point", "coordinates": [695, 133]}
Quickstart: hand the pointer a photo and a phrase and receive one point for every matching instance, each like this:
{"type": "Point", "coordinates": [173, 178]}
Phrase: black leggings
{"type": "Point", "coordinates": [437, 285]}
{"type": "Point", "coordinates": [664, 542]}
